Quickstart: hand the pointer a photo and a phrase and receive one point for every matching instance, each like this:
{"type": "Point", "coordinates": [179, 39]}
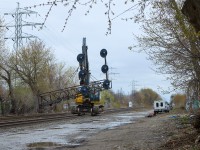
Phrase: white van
{"type": "Point", "coordinates": [161, 106]}
{"type": "Point", "coordinates": [130, 104]}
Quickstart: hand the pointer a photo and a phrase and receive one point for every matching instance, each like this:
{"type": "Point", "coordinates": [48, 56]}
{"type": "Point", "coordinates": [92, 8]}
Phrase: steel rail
{"type": "Point", "coordinates": [46, 118]}
{"type": "Point", "coordinates": [34, 120]}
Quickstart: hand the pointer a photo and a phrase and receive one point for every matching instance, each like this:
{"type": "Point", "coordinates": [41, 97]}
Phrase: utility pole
{"type": "Point", "coordinates": [18, 15]}
{"type": "Point", "coordinates": [132, 95]}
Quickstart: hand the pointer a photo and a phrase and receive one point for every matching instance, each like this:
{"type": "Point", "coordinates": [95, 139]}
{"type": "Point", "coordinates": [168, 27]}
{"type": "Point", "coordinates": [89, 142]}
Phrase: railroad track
{"type": "Point", "coordinates": [27, 120]}
{"type": "Point", "coordinates": [9, 123]}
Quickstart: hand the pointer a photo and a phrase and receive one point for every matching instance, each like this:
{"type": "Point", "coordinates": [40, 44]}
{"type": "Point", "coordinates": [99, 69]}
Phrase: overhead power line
{"type": "Point", "coordinates": [19, 24]}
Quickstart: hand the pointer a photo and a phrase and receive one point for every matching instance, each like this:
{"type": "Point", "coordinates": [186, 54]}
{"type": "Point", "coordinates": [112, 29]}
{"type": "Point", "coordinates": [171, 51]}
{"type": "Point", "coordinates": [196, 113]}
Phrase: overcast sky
{"type": "Point", "coordinates": [126, 67]}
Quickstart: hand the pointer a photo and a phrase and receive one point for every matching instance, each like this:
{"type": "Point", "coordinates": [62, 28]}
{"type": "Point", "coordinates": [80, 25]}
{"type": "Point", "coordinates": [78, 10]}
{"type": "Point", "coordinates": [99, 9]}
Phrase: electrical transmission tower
{"type": "Point", "coordinates": [133, 85]}
{"type": "Point", "coordinates": [19, 36]}
{"type": "Point", "coordinates": [112, 73]}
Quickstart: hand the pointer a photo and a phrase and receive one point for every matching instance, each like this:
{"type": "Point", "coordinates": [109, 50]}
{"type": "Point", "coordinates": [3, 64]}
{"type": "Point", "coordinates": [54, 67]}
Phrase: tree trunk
{"type": "Point", "coordinates": [191, 9]}
{"type": "Point", "coordinates": [11, 94]}
{"type": "Point", "coordinates": [12, 98]}
{"type": "Point", "coordinates": [35, 98]}
{"type": "Point", "coordinates": [2, 106]}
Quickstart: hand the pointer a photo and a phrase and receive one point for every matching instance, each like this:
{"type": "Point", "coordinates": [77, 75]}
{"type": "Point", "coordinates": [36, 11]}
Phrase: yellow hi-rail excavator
{"type": "Point", "coordinates": [87, 94]}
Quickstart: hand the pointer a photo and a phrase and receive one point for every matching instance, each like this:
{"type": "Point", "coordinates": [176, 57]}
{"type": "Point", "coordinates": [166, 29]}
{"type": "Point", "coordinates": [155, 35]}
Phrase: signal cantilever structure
{"type": "Point", "coordinates": [86, 95]}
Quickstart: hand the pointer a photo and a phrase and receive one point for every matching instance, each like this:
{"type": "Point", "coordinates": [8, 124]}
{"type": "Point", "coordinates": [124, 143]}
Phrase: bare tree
{"type": "Point", "coordinates": [65, 77]}
{"type": "Point", "coordinates": [179, 100]}
{"type": "Point", "coordinates": [171, 42]}
{"type": "Point", "coordinates": [145, 97]}
{"type": "Point", "coordinates": [59, 76]}
{"type": "Point", "coordinates": [109, 11]}
{"type": "Point", "coordinates": [32, 63]}
{"type": "Point", "coordinates": [149, 96]}
{"type": "Point", "coordinates": [6, 73]}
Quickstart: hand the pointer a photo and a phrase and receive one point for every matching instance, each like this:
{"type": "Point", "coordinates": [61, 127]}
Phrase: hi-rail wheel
{"type": "Point", "coordinates": [94, 111]}
{"type": "Point", "coordinates": [78, 111]}
{"type": "Point", "coordinates": [92, 114]}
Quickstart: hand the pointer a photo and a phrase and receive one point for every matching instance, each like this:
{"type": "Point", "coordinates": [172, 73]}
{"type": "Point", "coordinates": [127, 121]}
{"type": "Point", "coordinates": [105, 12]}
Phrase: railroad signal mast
{"type": "Point", "coordinates": [88, 99]}
{"type": "Point", "coordinates": [84, 73]}
{"type": "Point", "coordinates": [87, 94]}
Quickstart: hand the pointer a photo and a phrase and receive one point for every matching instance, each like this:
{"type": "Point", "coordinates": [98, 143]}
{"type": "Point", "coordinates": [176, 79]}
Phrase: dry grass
{"type": "Point", "coordinates": [184, 134]}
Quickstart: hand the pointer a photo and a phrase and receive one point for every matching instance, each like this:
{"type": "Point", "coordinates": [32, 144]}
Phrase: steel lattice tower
{"type": "Point", "coordinates": [18, 29]}
{"type": "Point", "coordinates": [18, 14]}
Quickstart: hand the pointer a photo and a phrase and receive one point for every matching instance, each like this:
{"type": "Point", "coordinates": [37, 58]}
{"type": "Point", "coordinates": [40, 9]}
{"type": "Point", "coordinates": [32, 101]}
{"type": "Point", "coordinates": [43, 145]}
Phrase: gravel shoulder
{"type": "Point", "coordinates": [160, 132]}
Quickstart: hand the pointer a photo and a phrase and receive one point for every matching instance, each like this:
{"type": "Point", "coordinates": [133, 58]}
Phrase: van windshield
{"type": "Point", "coordinates": [157, 104]}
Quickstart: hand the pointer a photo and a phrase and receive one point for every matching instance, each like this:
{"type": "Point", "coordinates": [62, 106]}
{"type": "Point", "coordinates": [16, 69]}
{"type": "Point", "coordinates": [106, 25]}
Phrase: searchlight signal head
{"type": "Point", "coordinates": [103, 53]}
{"type": "Point", "coordinates": [104, 68]}
{"type": "Point", "coordinates": [82, 74]}
{"type": "Point", "coordinates": [106, 84]}
{"type": "Point", "coordinates": [80, 58]}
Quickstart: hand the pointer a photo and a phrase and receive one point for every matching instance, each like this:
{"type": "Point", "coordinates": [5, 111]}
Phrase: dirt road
{"type": "Point", "coordinates": [123, 131]}
{"type": "Point", "coordinates": [161, 132]}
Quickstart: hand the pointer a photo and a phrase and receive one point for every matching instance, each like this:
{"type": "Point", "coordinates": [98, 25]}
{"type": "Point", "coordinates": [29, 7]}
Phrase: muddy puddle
{"type": "Point", "coordinates": [49, 146]}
